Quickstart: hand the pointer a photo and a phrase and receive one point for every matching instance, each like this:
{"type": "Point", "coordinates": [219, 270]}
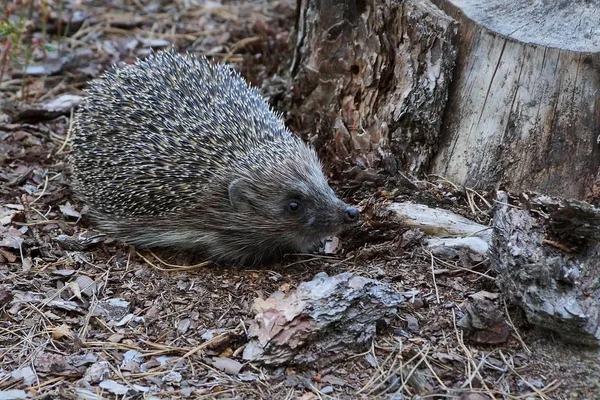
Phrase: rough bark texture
{"type": "Point", "coordinates": [323, 321]}
{"type": "Point", "coordinates": [524, 107]}
{"type": "Point", "coordinates": [546, 253]}
{"type": "Point", "coordinates": [369, 81]}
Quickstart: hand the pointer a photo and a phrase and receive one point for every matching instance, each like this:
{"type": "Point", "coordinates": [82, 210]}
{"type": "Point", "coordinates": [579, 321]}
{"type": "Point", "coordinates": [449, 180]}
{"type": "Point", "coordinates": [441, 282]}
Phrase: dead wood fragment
{"type": "Point", "coordinates": [58, 364]}
{"type": "Point", "coordinates": [21, 299]}
{"type": "Point", "coordinates": [6, 295]}
{"type": "Point", "coordinates": [483, 322]}
{"type": "Point", "coordinates": [20, 111]}
{"type": "Point", "coordinates": [323, 321]}
{"type": "Point", "coordinates": [449, 230]}
{"type": "Point", "coordinates": [572, 219]}
{"type": "Point", "coordinates": [558, 290]}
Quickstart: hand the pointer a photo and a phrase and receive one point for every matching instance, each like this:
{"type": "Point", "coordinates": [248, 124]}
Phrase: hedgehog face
{"type": "Point", "coordinates": [290, 204]}
{"type": "Point", "coordinates": [311, 217]}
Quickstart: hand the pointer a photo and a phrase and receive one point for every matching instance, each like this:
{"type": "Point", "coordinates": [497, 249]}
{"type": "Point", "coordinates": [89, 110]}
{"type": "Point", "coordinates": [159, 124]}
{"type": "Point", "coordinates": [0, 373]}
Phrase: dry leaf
{"type": "Point", "coordinates": [62, 331]}
{"type": "Point", "coordinates": [114, 387]}
{"type": "Point", "coordinates": [227, 365]}
{"type": "Point", "coordinates": [68, 211]}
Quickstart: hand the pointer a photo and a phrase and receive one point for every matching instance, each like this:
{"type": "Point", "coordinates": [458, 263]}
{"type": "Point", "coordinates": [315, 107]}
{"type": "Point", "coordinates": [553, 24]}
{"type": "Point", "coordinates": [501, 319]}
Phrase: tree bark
{"type": "Point", "coordinates": [546, 253]}
{"type": "Point", "coordinates": [524, 108]}
{"type": "Point", "coordinates": [369, 81]}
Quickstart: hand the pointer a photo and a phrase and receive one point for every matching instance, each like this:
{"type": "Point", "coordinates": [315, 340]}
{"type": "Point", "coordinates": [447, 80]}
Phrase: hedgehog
{"type": "Point", "coordinates": [178, 152]}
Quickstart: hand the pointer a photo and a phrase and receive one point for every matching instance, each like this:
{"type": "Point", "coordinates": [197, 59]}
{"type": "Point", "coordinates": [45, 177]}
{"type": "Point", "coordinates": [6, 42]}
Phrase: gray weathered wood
{"type": "Point", "coordinates": [444, 228]}
{"type": "Point", "coordinates": [321, 322]}
{"type": "Point", "coordinates": [569, 25]}
{"type": "Point", "coordinates": [546, 253]}
{"type": "Point", "coordinates": [524, 108]}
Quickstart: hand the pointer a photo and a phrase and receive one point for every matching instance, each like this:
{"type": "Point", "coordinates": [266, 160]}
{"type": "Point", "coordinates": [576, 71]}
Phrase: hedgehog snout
{"type": "Point", "coordinates": [351, 215]}
{"type": "Point", "coordinates": [342, 216]}
{"type": "Point", "coordinates": [345, 214]}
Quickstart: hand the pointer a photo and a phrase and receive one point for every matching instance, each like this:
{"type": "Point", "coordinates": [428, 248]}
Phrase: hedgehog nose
{"type": "Point", "coordinates": [351, 215]}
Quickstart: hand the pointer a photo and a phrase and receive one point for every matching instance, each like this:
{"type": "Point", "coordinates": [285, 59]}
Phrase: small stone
{"type": "Point", "coordinates": [12, 394]}
{"type": "Point", "coordinates": [413, 323]}
{"type": "Point", "coordinates": [227, 365]}
{"type": "Point", "coordinates": [183, 326]}
{"type": "Point", "coordinates": [115, 338]}
{"type": "Point", "coordinates": [26, 374]}
{"type": "Point", "coordinates": [327, 390]}
{"type": "Point", "coordinates": [86, 285]}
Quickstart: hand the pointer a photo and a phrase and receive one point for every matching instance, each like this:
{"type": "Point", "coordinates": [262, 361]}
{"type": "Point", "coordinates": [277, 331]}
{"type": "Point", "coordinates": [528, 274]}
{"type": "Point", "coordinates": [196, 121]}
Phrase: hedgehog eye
{"type": "Point", "coordinates": [293, 206]}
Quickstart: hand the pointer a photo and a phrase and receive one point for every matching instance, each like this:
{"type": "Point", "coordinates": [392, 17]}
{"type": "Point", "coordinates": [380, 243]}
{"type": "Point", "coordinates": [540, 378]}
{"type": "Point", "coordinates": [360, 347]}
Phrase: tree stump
{"type": "Point", "coordinates": [370, 80]}
{"type": "Point", "coordinates": [524, 108]}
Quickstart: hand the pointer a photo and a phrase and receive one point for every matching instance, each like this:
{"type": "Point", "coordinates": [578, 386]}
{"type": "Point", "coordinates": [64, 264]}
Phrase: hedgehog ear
{"type": "Point", "coordinates": [239, 194]}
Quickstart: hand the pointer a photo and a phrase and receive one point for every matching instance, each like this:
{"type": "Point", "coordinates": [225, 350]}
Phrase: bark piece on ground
{"type": "Point", "coordinates": [322, 321]}
{"type": "Point", "coordinates": [546, 253]}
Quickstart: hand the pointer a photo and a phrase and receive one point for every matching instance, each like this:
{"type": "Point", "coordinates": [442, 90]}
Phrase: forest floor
{"type": "Point", "coordinates": [87, 317]}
